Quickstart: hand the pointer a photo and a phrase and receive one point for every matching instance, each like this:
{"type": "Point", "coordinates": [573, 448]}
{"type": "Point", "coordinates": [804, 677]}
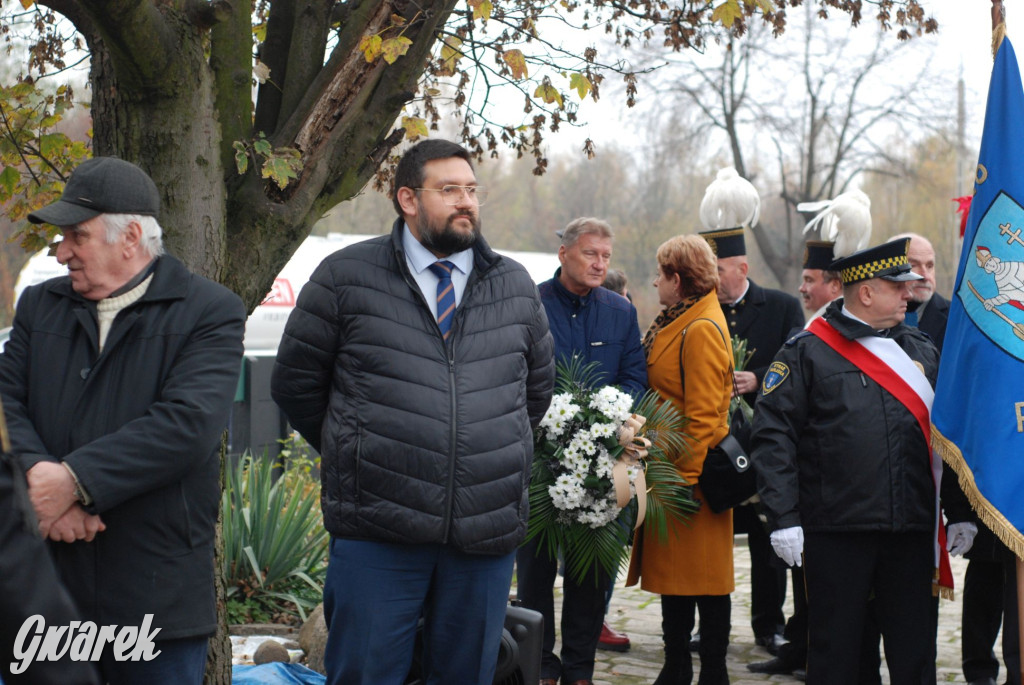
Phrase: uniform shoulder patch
{"type": "Point", "coordinates": [777, 374]}
{"type": "Point", "coordinates": [793, 339]}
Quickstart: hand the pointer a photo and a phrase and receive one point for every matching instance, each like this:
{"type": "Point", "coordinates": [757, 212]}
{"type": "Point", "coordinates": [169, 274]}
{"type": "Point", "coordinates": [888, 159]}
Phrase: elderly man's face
{"type": "Point", "coordinates": [585, 263]}
{"type": "Point", "coordinates": [732, 278]}
{"type": "Point", "coordinates": [921, 256]}
{"type": "Point", "coordinates": [97, 268]}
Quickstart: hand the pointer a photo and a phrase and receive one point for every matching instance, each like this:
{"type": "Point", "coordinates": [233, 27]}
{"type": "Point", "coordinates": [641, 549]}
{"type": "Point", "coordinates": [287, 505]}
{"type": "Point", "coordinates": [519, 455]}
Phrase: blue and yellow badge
{"type": "Point", "coordinates": [992, 289]}
{"type": "Point", "coordinates": [777, 373]}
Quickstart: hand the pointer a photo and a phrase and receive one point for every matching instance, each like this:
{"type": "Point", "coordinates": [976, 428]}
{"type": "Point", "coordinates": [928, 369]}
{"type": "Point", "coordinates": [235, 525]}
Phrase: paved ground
{"type": "Point", "coordinates": [638, 613]}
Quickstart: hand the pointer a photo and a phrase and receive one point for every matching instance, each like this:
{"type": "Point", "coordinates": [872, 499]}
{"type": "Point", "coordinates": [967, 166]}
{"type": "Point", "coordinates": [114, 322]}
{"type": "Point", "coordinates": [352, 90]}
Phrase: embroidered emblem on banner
{"type": "Point", "coordinates": [777, 373]}
{"type": "Point", "coordinates": [992, 288]}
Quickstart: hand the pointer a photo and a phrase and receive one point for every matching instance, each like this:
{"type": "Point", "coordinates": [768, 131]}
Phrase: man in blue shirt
{"type": "Point", "coordinates": [592, 324]}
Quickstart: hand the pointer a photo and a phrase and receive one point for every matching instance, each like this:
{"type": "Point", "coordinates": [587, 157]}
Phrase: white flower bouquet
{"type": "Point", "coordinates": [573, 501]}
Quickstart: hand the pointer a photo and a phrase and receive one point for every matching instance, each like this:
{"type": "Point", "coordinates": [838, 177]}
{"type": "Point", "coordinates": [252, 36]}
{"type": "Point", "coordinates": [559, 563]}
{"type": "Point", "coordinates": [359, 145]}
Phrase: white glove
{"type": "Point", "coordinates": [960, 538]}
{"type": "Point", "coordinates": [788, 543]}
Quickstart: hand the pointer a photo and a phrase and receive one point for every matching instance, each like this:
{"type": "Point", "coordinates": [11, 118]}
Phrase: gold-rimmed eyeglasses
{"type": "Point", "coordinates": [451, 195]}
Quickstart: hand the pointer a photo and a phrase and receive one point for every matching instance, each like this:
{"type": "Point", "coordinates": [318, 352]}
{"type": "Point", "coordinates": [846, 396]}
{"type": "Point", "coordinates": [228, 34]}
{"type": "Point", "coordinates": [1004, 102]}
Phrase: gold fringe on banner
{"type": "Point", "coordinates": [989, 515]}
{"type": "Point", "coordinates": [998, 33]}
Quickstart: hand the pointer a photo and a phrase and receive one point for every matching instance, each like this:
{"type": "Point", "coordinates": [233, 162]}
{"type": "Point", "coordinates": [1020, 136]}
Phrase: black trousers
{"type": "Point", "coordinates": [767, 576]}
{"type": "Point", "coordinates": [677, 620]}
{"type": "Point", "coordinates": [842, 570]}
{"type": "Point", "coordinates": [990, 600]}
{"type": "Point", "coordinates": [583, 607]}
{"type": "Point", "coordinates": [794, 651]}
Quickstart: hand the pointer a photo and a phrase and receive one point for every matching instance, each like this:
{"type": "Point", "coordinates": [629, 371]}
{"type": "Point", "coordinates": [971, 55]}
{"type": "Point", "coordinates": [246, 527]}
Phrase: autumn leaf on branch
{"type": "Point", "coordinates": [370, 46]}
{"type": "Point", "coordinates": [579, 83]}
{"type": "Point", "coordinates": [516, 61]}
{"type": "Point", "coordinates": [393, 48]}
{"type": "Point", "coordinates": [481, 9]}
{"type": "Point", "coordinates": [548, 93]}
{"type": "Point", "coordinates": [415, 128]}
{"type": "Point", "coordinates": [727, 13]}
{"type": "Point", "coordinates": [450, 55]}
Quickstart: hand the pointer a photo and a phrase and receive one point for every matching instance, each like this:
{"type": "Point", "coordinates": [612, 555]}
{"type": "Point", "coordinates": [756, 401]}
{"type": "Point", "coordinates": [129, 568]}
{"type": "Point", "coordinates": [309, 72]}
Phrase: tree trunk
{"type": "Point", "coordinates": [218, 658]}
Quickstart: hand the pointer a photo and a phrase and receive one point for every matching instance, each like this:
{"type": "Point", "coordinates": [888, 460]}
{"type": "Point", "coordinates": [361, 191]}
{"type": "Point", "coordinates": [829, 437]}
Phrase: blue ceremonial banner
{"type": "Point", "coordinates": [978, 415]}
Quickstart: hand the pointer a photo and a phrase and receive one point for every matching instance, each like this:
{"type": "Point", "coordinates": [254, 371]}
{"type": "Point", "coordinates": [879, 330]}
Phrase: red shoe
{"type": "Point", "coordinates": [612, 640]}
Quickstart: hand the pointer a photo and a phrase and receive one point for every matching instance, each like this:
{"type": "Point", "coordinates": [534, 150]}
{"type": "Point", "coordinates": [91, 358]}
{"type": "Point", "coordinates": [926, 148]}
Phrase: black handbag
{"type": "Point", "coordinates": [727, 479]}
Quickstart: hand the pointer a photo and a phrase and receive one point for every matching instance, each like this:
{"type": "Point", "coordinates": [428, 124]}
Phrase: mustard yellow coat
{"type": "Point", "coordinates": [696, 558]}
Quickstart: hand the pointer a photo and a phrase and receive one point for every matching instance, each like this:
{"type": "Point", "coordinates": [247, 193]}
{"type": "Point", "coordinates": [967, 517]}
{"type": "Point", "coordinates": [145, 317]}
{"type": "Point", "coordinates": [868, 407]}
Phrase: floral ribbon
{"type": "Point", "coordinates": [635, 448]}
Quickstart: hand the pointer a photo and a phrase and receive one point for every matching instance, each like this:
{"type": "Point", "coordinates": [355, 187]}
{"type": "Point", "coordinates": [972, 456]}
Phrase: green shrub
{"type": "Point", "coordinates": [275, 545]}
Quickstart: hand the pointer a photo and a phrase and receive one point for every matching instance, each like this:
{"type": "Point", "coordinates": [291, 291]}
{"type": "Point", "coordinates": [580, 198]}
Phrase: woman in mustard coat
{"type": "Point", "coordinates": [689, 363]}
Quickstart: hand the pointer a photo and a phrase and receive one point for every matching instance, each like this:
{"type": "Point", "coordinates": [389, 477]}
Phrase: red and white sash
{"type": "Point", "coordinates": [885, 362]}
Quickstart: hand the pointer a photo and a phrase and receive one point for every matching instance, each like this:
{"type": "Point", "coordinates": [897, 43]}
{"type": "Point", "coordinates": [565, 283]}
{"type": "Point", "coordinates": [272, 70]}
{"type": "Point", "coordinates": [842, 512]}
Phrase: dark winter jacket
{"type": "Point", "coordinates": [421, 442]}
{"type": "Point", "coordinates": [833, 451]}
{"type": "Point", "coordinates": [764, 318]}
{"type": "Point", "coordinates": [29, 586]}
{"type": "Point", "coordinates": [140, 424]}
{"type": "Point", "coordinates": [599, 327]}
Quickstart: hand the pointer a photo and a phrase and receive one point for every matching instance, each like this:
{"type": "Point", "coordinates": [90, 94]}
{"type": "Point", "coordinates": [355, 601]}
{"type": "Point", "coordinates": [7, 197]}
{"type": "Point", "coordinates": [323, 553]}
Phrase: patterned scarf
{"type": "Point", "coordinates": [667, 316]}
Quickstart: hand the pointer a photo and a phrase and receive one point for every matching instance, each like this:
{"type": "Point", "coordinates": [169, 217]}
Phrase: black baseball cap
{"type": "Point", "coordinates": [101, 185]}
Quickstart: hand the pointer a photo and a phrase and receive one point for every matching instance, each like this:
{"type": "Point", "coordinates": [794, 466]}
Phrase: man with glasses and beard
{"type": "Point", "coordinates": [417, 364]}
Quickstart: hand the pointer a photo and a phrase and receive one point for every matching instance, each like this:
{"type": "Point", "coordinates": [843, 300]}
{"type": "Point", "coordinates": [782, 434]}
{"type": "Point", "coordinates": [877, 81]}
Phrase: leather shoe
{"type": "Point", "coordinates": [612, 640]}
{"type": "Point", "coordinates": [983, 681]}
{"type": "Point", "coordinates": [770, 642]}
{"type": "Point", "coordinates": [695, 642]}
{"type": "Point", "coordinates": [800, 674]}
{"type": "Point", "coordinates": [774, 666]}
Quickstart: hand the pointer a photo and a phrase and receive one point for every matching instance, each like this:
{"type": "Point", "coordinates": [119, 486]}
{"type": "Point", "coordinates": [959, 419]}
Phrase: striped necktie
{"type": "Point", "coordinates": [445, 295]}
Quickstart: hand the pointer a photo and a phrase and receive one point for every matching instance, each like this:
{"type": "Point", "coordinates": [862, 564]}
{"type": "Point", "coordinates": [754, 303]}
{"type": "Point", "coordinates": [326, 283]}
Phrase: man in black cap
{"type": "Point", "coordinates": [117, 382]}
{"type": "Point", "coordinates": [818, 284]}
{"type": "Point", "coordinates": [845, 471]}
{"type": "Point", "coordinates": [764, 318]}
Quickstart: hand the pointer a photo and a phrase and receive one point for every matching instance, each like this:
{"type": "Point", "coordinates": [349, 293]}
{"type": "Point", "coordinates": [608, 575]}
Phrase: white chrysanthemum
{"type": "Point", "coordinates": [559, 413]}
{"type": "Point", "coordinates": [567, 493]}
{"type": "Point", "coordinates": [600, 513]}
{"type": "Point", "coordinates": [603, 430]}
{"type": "Point", "coordinates": [613, 403]}
{"type": "Point", "coordinates": [583, 444]}
{"type": "Point", "coordinates": [603, 464]}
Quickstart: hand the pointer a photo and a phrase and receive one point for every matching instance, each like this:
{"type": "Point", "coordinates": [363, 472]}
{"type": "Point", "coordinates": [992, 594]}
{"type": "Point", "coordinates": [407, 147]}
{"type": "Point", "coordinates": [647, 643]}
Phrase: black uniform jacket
{"type": "Point", "coordinates": [833, 451]}
{"type": "Point", "coordinates": [933, 321]}
{"type": "Point", "coordinates": [764, 318]}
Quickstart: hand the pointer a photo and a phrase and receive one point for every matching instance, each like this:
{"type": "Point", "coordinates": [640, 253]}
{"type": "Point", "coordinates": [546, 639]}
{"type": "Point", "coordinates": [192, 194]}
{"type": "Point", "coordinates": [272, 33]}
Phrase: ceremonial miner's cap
{"type": "Point", "coordinates": [101, 185]}
{"type": "Point", "coordinates": [730, 203]}
{"type": "Point", "coordinates": [818, 254]}
{"type": "Point", "coordinates": [887, 261]}
{"type": "Point", "coordinates": [726, 242]}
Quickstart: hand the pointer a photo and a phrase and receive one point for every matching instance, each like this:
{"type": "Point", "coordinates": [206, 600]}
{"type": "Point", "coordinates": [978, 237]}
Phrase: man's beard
{"type": "Point", "coordinates": [445, 239]}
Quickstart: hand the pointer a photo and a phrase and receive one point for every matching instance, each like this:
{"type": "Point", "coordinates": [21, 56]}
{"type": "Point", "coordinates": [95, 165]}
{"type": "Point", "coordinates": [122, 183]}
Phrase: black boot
{"type": "Point", "coordinates": [676, 623]}
{"type": "Point", "coordinates": [715, 623]}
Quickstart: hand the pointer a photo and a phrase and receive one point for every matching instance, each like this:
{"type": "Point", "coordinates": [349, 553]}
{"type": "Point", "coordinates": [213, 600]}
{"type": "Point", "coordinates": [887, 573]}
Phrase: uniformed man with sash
{"type": "Point", "coordinates": [846, 474]}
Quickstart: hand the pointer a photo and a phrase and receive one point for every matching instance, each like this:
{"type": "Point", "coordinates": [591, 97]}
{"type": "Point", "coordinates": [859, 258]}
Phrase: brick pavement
{"type": "Point", "coordinates": [638, 613]}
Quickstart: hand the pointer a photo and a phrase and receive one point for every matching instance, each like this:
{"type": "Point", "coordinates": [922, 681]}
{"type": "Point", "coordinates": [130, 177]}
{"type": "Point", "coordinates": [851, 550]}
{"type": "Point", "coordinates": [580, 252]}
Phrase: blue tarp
{"type": "Point", "coordinates": [275, 673]}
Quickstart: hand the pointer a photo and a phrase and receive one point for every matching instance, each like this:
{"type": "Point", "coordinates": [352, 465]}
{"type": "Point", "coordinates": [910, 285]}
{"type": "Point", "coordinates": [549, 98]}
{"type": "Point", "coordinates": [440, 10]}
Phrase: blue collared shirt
{"type": "Point", "coordinates": [419, 258]}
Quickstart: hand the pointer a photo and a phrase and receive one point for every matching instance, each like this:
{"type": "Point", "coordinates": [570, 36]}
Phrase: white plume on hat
{"type": "Point", "coordinates": [730, 201]}
{"type": "Point", "coordinates": [845, 220]}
